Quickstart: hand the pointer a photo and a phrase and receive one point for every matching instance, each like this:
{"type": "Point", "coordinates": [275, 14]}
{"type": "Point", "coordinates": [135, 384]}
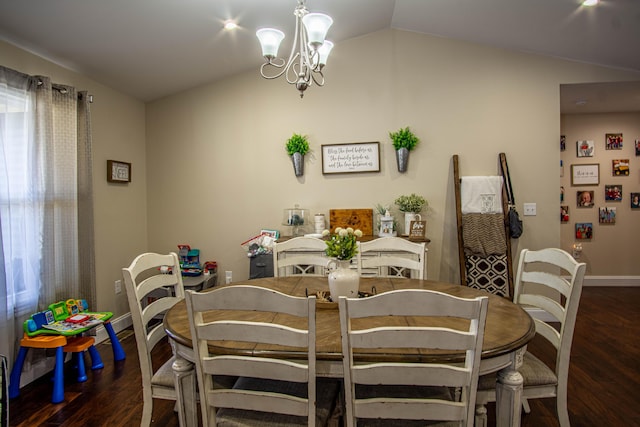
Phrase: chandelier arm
{"type": "Point", "coordinates": [319, 82]}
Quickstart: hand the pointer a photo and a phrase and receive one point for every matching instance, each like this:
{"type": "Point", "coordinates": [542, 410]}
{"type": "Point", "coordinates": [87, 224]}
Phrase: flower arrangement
{"type": "Point", "coordinates": [412, 203]}
{"type": "Point", "coordinates": [342, 244]}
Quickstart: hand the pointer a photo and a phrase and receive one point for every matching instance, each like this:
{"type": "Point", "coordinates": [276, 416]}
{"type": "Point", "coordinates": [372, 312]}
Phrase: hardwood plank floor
{"type": "Point", "coordinates": [604, 377]}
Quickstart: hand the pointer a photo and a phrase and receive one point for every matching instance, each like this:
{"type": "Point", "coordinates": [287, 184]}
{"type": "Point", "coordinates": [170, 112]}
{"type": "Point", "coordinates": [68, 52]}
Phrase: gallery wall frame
{"type": "Point", "coordinates": [586, 174]}
{"type": "Point", "coordinates": [118, 172]}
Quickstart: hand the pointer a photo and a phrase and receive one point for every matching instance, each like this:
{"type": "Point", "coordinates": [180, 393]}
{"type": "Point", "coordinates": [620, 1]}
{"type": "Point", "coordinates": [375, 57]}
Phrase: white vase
{"type": "Point", "coordinates": [343, 280]}
{"type": "Point", "coordinates": [408, 217]}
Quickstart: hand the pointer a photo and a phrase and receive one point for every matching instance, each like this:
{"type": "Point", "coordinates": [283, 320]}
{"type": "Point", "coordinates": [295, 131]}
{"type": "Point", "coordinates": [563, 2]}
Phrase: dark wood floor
{"type": "Point", "coordinates": [604, 378]}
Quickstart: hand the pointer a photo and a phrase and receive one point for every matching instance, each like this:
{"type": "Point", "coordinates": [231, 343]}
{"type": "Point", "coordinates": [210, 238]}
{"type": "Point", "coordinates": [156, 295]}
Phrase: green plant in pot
{"type": "Point", "coordinates": [297, 146]}
{"type": "Point", "coordinates": [403, 141]}
{"type": "Point", "coordinates": [411, 205]}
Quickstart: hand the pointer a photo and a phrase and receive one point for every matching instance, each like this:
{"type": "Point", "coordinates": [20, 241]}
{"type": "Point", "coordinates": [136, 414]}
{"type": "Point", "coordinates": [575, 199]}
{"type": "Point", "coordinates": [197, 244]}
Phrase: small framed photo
{"type": "Point", "coordinates": [564, 213]}
{"type": "Point", "coordinates": [119, 172]}
{"type": "Point", "coordinates": [563, 142]}
{"type": "Point", "coordinates": [585, 199]}
{"type": "Point", "coordinates": [613, 193]}
{"type": "Point", "coordinates": [606, 215]}
{"type": "Point", "coordinates": [585, 174]}
{"type": "Point", "coordinates": [585, 148]}
{"type": "Point", "coordinates": [613, 141]}
{"type": "Point", "coordinates": [271, 233]}
{"type": "Point", "coordinates": [620, 167]}
{"type": "Point", "coordinates": [635, 200]}
{"type": "Point", "coordinates": [584, 230]}
{"type": "Point", "coordinates": [637, 147]}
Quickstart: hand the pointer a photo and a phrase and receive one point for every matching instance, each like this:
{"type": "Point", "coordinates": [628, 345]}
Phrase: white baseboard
{"type": "Point", "coordinates": [622, 281]}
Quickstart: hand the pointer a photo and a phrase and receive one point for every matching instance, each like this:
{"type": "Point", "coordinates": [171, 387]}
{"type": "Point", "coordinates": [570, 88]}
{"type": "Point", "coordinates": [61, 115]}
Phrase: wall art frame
{"type": "Point", "coordinates": [355, 157]}
{"type": "Point", "coordinates": [118, 172]}
{"type": "Point", "coordinates": [587, 174]}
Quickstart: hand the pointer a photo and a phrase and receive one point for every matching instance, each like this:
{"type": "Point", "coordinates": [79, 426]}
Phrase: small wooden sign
{"type": "Point", "coordinates": [418, 231]}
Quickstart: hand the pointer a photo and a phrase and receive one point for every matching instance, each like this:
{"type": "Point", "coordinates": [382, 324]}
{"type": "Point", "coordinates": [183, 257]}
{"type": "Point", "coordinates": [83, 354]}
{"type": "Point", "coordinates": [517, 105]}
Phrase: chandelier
{"type": "Point", "coordinates": [309, 52]}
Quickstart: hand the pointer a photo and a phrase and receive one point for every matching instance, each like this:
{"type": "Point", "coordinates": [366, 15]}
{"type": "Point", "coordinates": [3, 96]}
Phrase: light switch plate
{"type": "Point", "coordinates": [530, 209]}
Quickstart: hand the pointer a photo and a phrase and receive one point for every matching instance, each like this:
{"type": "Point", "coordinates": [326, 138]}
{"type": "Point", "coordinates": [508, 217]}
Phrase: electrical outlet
{"type": "Point", "coordinates": [530, 209]}
{"type": "Point", "coordinates": [228, 277]}
{"type": "Point", "coordinates": [118, 285]}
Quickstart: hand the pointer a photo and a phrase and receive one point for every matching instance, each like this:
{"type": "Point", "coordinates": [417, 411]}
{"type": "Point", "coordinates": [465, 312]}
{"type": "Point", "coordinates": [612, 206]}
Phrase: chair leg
{"type": "Point", "coordinates": [525, 405]}
{"type": "Point", "coordinates": [16, 373]}
{"type": "Point", "coordinates": [561, 407]}
{"type": "Point", "coordinates": [82, 372]}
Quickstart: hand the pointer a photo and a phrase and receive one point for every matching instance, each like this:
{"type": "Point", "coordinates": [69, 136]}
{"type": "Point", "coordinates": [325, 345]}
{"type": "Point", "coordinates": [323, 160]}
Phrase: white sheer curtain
{"type": "Point", "coordinates": [46, 212]}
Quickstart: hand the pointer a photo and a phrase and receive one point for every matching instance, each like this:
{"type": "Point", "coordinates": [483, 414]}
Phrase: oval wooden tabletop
{"type": "Point", "coordinates": [508, 326]}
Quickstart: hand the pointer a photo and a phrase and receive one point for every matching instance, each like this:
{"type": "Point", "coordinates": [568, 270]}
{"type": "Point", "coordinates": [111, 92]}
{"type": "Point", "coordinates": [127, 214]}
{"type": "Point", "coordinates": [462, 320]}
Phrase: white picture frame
{"type": "Point", "coordinates": [588, 174]}
{"type": "Point", "coordinates": [351, 158]}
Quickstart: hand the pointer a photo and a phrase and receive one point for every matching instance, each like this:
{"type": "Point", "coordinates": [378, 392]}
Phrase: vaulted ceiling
{"type": "Point", "coordinates": [154, 48]}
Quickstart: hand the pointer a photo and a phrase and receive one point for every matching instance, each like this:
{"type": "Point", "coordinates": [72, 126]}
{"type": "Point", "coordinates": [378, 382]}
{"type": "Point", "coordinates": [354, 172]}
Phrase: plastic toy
{"type": "Point", "coordinates": [189, 261]}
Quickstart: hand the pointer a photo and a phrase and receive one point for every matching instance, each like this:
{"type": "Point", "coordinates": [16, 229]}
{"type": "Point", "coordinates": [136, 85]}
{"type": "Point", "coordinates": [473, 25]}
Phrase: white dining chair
{"type": "Point", "coordinates": [153, 283]}
{"type": "Point", "coordinates": [301, 256]}
{"type": "Point", "coordinates": [417, 391]}
{"type": "Point", "coordinates": [392, 256]}
{"type": "Point", "coordinates": [270, 391]}
{"type": "Point", "coordinates": [548, 281]}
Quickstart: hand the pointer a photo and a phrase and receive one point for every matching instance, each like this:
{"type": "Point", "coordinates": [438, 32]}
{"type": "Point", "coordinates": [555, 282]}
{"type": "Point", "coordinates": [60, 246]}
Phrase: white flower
{"type": "Point", "coordinates": [349, 230]}
{"type": "Point", "coordinates": [337, 230]}
{"type": "Point", "coordinates": [342, 232]}
{"type": "Point", "coordinates": [325, 233]}
{"type": "Point", "coordinates": [358, 233]}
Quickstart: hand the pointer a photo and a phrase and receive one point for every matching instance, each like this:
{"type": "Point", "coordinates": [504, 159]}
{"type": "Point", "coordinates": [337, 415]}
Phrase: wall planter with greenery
{"type": "Point", "coordinates": [297, 146]}
{"type": "Point", "coordinates": [403, 141]}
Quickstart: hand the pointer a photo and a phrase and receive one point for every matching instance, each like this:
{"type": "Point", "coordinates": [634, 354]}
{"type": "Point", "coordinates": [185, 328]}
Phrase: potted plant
{"type": "Point", "coordinates": [411, 205]}
{"type": "Point", "coordinates": [297, 146]}
{"type": "Point", "coordinates": [403, 141]}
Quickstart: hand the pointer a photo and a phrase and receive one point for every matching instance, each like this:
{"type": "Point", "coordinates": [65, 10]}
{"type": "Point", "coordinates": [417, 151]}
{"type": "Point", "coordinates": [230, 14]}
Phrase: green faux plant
{"type": "Point", "coordinates": [411, 203]}
{"type": "Point", "coordinates": [404, 138]}
{"type": "Point", "coordinates": [297, 144]}
{"type": "Point", "coordinates": [342, 244]}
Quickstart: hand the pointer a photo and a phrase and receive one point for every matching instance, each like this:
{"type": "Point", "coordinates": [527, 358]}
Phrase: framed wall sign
{"type": "Point", "coordinates": [118, 171]}
{"type": "Point", "coordinates": [349, 158]}
{"type": "Point", "coordinates": [585, 174]}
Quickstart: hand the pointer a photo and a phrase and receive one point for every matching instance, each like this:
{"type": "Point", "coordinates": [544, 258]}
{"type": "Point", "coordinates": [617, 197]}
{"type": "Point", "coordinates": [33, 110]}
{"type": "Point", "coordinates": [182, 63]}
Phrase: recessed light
{"type": "Point", "coordinates": [230, 25]}
{"type": "Point", "coordinates": [590, 2]}
{"type": "Point", "coordinates": [581, 102]}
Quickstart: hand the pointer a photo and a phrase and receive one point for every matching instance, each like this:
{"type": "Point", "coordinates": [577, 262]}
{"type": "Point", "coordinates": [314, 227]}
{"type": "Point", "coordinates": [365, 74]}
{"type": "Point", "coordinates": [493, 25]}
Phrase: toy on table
{"type": "Point", "coordinates": [189, 261]}
{"type": "Point", "coordinates": [68, 318]}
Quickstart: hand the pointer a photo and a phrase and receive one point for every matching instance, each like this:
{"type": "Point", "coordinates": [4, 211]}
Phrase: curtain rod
{"type": "Point", "coordinates": [63, 90]}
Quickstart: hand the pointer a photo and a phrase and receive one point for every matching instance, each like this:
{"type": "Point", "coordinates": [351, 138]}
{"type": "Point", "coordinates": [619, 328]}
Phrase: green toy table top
{"type": "Point", "coordinates": [63, 327]}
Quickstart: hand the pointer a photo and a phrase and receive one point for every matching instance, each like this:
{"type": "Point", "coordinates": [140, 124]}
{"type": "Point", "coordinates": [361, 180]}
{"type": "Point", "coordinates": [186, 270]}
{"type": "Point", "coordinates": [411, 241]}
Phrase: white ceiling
{"type": "Point", "coordinates": [153, 48]}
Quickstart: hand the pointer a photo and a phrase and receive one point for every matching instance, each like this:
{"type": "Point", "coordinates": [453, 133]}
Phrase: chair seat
{"type": "Point", "coordinates": [326, 397]}
{"type": "Point", "coordinates": [163, 377]}
{"type": "Point", "coordinates": [533, 371]}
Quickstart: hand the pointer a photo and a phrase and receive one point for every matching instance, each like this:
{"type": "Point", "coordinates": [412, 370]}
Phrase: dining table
{"type": "Point", "coordinates": [508, 330]}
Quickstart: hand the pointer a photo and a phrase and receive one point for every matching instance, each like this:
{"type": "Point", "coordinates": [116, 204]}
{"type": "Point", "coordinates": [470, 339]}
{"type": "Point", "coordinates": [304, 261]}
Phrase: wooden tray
{"type": "Point", "coordinates": [361, 219]}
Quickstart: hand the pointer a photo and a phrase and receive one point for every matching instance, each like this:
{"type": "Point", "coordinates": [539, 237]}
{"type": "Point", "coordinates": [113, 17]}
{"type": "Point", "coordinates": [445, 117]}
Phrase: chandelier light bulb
{"type": "Point", "coordinates": [270, 40]}
{"type": "Point", "coordinates": [317, 25]}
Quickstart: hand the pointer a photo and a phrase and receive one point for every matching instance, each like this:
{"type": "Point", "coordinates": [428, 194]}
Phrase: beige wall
{"type": "Point", "coordinates": [613, 249]}
{"type": "Point", "coordinates": [117, 122]}
{"type": "Point", "coordinates": [219, 149]}
{"type": "Point", "coordinates": [209, 168]}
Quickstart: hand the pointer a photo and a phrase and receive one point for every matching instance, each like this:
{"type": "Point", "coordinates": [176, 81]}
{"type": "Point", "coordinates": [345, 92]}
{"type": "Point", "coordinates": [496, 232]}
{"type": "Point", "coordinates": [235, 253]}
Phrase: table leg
{"type": "Point", "coordinates": [118, 352]}
{"type": "Point", "coordinates": [186, 390]}
{"type": "Point", "coordinates": [509, 395]}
